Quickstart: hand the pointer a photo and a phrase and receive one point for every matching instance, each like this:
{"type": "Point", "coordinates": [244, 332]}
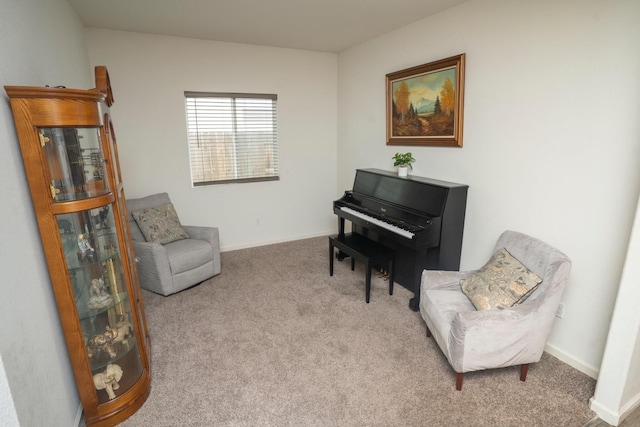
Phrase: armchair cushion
{"type": "Point", "coordinates": [160, 224]}
{"type": "Point", "coordinates": [502, 282]}
{"type": "Point", "coordinates": [187, 254]}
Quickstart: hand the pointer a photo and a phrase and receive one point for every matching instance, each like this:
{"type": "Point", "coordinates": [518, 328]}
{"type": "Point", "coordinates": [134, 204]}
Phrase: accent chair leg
{"type": "Point", "coordinates": [524, 369]}
{"type": "Point", "coordinates": [459, 378]}
{"type": "Point", "coordinates": [428, 333]}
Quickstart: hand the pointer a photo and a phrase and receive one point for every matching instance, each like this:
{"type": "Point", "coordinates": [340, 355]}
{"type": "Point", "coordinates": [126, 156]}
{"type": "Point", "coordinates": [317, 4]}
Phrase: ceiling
{"type": "Point", "coordinates": [319, 25]}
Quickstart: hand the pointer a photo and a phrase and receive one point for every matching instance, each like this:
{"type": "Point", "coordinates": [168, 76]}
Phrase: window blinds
{"type": "Point", "coordinates": [232, 137]}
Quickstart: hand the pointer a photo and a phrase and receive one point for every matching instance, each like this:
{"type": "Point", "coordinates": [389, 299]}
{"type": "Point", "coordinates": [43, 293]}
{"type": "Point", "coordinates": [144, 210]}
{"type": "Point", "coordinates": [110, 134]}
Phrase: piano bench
{"type": "Point", "coordinates": [362, 249]}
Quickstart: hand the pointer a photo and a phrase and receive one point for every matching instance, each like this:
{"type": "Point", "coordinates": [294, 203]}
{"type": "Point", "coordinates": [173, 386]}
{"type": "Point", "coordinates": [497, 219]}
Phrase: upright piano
{"type": "Point", "coordinates": [421, 219]}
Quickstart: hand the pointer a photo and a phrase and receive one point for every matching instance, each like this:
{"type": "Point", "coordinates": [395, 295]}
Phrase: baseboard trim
{"type": "Point", "coordinates": [614, 417]}
{"type": "Point", "coordinates": [604, 413]}
{"type": "Point", "coordinates": [275, 241]}
{"type": "Point", "coordinates": [592, 371]}
{"type": "Point", "coordinates": [630, 407]}
{"type": "Point", "coordinates": [79, 421]}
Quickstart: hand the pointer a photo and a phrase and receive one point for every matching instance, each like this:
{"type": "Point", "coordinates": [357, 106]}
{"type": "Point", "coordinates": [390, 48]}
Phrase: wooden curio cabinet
{"type": "Point", "coordinates": [71, 161]}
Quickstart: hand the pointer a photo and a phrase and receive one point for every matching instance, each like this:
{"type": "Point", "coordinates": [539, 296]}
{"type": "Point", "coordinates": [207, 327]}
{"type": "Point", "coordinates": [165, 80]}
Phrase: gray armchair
{"type": "Point", "coordinates": [169, 268]}
{"type": "Point", "coordinates": [475, 340]}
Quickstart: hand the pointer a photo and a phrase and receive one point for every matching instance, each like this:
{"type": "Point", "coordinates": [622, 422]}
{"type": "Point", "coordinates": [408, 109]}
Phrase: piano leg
{"type": "Point", "coordinates": [330, 258]}
{"type": "Point", "coordinates": [414, 303]}
{"type": "Point", "coordinates": [367, 282]}
{"type": "Point", "coordinates": [390, 273]}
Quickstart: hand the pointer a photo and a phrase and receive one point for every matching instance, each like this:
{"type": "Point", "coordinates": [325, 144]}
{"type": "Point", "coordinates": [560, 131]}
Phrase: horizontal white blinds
{"type": "Point", "coordinates": [232, 137]}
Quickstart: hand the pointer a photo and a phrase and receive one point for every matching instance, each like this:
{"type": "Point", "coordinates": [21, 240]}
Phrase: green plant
{"type": "Point", "coordinates": [403, 159]}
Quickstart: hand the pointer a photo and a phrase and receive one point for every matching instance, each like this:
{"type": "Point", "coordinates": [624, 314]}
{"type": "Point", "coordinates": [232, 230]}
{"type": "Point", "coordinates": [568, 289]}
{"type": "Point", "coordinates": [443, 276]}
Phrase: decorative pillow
{"type": "Point", "coordinates": [160, 224]}
{"type": "Point", "coordinates": [502, 282]}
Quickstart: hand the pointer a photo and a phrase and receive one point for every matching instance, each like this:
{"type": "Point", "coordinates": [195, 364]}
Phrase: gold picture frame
{"type": "Point", "coordinates": [425, 104]}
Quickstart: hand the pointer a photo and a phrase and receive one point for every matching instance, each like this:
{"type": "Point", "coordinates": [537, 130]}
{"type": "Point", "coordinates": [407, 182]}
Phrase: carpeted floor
{"type": "Point", "coordinates": [275, 341]}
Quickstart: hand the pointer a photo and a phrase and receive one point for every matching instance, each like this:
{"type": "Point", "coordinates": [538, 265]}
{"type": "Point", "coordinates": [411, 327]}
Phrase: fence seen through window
{"type": "Point", "coordinates": [232, 137]}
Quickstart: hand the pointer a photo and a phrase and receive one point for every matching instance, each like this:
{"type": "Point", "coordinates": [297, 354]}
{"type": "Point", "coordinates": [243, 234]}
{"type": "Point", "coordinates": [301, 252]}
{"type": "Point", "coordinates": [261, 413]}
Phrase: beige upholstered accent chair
{"type": "Point", "coordinates": [474, 339]}
{"type": "Point", "coordinates": [192, 256]}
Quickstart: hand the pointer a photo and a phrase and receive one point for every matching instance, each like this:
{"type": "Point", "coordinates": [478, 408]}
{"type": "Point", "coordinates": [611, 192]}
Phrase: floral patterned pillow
{"type": "Point", "coordinates": [502, 282]}
{"type": "Point", "coordinates": [160, 224]}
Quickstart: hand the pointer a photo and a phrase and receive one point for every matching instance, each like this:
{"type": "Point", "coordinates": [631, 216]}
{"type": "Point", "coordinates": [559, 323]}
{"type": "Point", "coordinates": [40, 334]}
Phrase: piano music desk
{"type": "Point", "coordinates": [365, 250]}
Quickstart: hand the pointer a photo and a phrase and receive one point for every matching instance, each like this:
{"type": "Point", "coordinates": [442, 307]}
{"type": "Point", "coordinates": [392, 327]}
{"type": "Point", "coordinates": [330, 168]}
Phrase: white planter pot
{"type": "Point", "coordinates": [403, 171]}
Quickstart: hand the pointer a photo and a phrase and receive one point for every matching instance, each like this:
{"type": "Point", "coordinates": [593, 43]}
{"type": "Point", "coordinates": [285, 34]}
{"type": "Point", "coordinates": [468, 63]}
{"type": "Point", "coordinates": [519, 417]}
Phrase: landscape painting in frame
{"type": "Point", "coordinates": [425, 104]}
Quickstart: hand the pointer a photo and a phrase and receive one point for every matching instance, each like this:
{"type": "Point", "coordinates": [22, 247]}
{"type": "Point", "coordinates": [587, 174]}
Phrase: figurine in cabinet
{"type": "Point", "coordinates": [65, 226]}
{"type": "Point", "coordinates": [85, 250]}
{"type": "Point", "coordinates": [108, 380]}
{"type": "Point", "coordinates": [103, 342]}
{"type": "Point", "coordinates": [123, 329]}
{"type": "Point", "coordinates": [100, 219]}
{"type": "Point", "coordinates": [100, 298]}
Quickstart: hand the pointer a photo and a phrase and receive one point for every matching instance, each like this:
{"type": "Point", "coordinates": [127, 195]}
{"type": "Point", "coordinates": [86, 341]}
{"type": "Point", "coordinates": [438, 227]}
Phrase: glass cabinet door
{"type": "Point", "coordinates": [76, 162]}
{"type": "Point", "coordinates": [110, 138]}
{"type": "Point", "coordinates": [97, 275]}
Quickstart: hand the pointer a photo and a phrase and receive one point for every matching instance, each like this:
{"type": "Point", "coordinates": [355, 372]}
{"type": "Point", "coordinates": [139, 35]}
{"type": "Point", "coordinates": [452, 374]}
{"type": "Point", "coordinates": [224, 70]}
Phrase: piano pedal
{"type": "Point", "coordinates": [382, 274]}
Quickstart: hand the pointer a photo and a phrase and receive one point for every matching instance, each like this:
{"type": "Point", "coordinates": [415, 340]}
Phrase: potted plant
{"type": "Point", "coordinates": [403, 161]}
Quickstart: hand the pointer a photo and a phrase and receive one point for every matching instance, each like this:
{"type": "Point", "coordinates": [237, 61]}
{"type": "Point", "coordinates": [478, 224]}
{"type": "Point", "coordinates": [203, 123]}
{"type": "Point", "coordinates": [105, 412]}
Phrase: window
{"type": "Point", "coordinates": [232, 137]}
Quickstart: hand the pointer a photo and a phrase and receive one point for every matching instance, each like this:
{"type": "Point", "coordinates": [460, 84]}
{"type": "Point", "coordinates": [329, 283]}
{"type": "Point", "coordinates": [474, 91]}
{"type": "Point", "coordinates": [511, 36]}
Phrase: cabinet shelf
{"type": "Point", "coordinates": [77, 260]}
{"type": "Point", "coordinates": [90, 313]}
{"type": "Point", "coordinates": [100, 360]}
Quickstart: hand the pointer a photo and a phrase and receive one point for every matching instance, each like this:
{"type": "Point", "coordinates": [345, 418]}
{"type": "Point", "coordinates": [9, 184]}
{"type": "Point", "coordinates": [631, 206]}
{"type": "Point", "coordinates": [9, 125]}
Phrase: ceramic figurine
{"type": "Point", "coordinates": [103, 342]}
{"type": "Point", "coordinates": [99, 298]}
{"type": "Point", "coordinates": [108, 380]}
{"type": "Point", "coordinates": [123, 328]}
{"type": "Point", "coordinates": [85, 251]}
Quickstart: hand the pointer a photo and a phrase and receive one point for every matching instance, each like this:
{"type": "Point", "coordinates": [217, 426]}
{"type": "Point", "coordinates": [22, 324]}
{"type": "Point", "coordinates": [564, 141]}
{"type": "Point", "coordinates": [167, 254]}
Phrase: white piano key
{"type": "Point", "coordinates": [397, 230]}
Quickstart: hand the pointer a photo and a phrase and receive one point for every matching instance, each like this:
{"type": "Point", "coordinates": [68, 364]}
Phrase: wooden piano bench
{"type": "Point", "coordinates": [362, 249]}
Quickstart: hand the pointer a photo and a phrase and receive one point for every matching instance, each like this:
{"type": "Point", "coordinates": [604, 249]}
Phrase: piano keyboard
{"type": "Point", "coordinates": [395, 229]}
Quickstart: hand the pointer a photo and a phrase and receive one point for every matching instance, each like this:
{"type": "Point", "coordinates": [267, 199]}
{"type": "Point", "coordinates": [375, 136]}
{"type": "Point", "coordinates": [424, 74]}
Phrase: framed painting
{"type": "Point", "coordinates": [425, 104]}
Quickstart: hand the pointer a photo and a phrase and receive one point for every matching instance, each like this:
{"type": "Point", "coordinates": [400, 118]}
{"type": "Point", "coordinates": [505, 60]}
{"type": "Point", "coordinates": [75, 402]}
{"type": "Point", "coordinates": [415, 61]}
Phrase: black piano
{"type": "Point", "coordinates": [421, 219]}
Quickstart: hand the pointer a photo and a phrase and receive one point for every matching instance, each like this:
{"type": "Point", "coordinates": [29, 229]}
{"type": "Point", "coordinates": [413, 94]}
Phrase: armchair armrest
{"type": "Point", "coordinates": [153, 266]}
{"type": "Point", "coordinates": [210, 234]}
{"type": "Point", "coordinates": [497, 338]}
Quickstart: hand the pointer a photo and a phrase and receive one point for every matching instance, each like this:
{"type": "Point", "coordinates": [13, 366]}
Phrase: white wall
{"type": "Point", "coordinates": [551, 136]}
{"type": "Point", "coordinates": [41, 43]}
{"type": "Point", "coordinates": [149, 75]}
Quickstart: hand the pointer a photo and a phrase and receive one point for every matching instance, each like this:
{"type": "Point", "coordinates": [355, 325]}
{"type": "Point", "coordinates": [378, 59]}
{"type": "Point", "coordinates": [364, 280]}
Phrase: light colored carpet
{"type": "Point", "coordinates": [275, 341]}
